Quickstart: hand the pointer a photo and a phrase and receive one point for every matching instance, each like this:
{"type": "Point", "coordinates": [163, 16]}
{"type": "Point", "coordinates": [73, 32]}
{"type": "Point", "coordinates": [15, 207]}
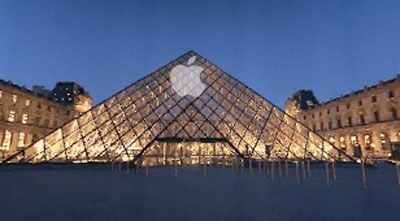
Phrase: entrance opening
{"type": "Point", "coordinates": [171, 151]}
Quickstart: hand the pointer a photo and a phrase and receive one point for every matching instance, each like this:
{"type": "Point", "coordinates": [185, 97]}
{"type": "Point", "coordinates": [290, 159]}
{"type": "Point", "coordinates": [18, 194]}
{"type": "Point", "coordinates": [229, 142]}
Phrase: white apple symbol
{"type": "Point", "coordinates": [186, 79]}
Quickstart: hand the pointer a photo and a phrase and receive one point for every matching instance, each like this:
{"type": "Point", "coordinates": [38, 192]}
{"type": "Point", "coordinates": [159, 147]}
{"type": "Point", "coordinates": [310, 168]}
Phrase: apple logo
{"type": "Point", "coordinates": [186, 80]}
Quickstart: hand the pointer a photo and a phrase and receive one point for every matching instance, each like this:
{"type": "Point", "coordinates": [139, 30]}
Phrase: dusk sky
{"type": "Point", "coordinates": [275, 47]}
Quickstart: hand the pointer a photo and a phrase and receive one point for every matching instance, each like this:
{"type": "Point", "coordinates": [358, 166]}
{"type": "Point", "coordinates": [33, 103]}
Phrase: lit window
{"type": "Point", "coordinates": [6, 141]}
{"type": "Point", "coordinates": [1, 94]}
{"type": "Point", "coordinates": [24, 118]}
{"type": "Point", "coordinates": [367, 140]}
{"type": "Point", "coordinates": [21, 139]}
{"type": "Point", "coordinates": [384, 141]}
{"type": "Point", "coordinates": [14, 98]}
{"type": "Point", "coordinates": [342, 142]}
{"type": "Point", "coordinates": [11, 116]}
{"type": "Point", "coordinates": [354, 140]}
{"type": "Point", "coordinates": [27, 102]}
{"type": "Point", "coordinates": [332, 140]}
{"type": "Point", "coordinates": [383, 138]}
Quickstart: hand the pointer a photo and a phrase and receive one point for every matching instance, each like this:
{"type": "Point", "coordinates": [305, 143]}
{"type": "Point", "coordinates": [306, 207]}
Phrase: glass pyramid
{"type": "Point", "coordinates": [189, 110]}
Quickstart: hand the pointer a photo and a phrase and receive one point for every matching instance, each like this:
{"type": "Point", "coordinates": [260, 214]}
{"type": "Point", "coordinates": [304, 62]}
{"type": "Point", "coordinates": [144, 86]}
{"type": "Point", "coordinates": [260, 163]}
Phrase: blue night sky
{"type": "Point", "coordinates": [275, 47]}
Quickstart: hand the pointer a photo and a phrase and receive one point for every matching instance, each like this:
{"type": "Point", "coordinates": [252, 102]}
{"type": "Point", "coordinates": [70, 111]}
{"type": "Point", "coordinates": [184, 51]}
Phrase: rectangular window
{"type": "Point", "coordinates": [314, 127]}
{"type": "Point", "coordinates": [362, 119]}
{"type": "Point", "coordinates": [24, 118]}
{"type": "Point", "coordinates": [393, 113]}
{"type": "Point", "coordinates": [304, 117]}
{"type": "Point", "coordinates": [376, 116]}
{"type": "Point", "coordinates": [6, 141]}
{"type": "Point", "coordinates": [339, 123]}
{"type": "Point", "coordinates": [328, 112]}
{"type": "Point", "coordinates": [348, 106]}
{"type": "Point", "coordinates": [354, 140]}
{"type": "Point", "coordinates": [330, 125]}
{"type": "Point", "coordinates": [337, 108]}
{"type": "Point", "coordinates": [322, 126]}
{"type": "Point", "coordinates": [14, 98]}
{"type": "Point", "coordinates": [27, 102]}
{"type": "Point", "coordinates": [21, 139]}
{"type": "Point", "coordinates": [350, 121]}
{"type": "Point", "coordinates": [11, 116]}
{"type": "Point", "coordinates": [373, 99]}
{"type": "Point", "coordinates": [390, 94]}
{"type": "Point", "coordinates": [1, 94]}
{"type": "Point", "coordinates": [360, 103]}
{"type": "Point", "coordinates": [342, 143]}
{"type": "Point", "coordinates": [37, 121]}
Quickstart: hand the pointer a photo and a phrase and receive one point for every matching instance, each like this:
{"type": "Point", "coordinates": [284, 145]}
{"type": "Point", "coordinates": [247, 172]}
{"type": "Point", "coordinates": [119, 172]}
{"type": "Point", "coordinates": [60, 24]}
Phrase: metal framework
{"type": "Point", "coordinates": [150, 123]}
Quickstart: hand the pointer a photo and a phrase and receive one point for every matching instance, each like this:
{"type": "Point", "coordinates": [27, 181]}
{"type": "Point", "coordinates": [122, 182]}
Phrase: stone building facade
{"type": "Point", "coordinates": [368, 118]}
{"type": "Point", "coordinates": [27, 115]}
